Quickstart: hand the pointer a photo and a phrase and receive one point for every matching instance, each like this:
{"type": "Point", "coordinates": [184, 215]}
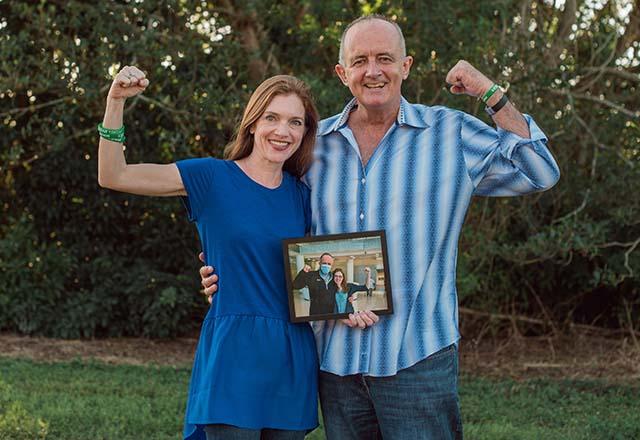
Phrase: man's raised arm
{"type": "Point", "coordinates": [510, 160]}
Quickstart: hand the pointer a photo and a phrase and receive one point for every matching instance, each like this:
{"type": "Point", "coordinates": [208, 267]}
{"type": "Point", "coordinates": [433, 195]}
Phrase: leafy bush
{"type": "Point", "coordinates": [76, 260]}
{"type": "Point", "coordinates": [43, 294]}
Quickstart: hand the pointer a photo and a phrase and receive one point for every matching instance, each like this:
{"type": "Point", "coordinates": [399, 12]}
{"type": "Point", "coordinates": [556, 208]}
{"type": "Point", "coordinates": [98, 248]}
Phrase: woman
{"type": "Point", "coordinates": [255, 373]}
{"type": "Point", "coordinates": [344, 294]}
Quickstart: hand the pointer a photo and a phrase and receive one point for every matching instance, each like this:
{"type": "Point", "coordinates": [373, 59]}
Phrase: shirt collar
{"type": "Point", "coordinates": [407, 115]}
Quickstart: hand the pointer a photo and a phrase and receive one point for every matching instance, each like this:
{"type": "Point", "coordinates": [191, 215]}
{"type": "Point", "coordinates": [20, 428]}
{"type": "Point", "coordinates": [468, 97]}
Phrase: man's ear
{"type": "Point", "coordinates": [406, 66]}
{"type": "Point", "coordinates": [342, 74]}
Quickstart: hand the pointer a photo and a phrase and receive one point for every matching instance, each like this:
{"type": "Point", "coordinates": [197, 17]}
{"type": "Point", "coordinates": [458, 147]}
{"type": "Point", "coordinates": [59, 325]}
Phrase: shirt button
{"type": "Point", "coordinates": [363, 180]}
{"type": "Point", "coordinates": [361, 216]}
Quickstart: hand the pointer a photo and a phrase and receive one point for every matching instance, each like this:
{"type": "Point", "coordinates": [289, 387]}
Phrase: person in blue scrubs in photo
{"type": "Point", "coordinates": [255, 373]}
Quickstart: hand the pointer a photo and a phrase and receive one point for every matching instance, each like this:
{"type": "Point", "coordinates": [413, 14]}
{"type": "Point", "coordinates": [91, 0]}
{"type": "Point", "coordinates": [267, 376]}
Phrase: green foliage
{"type": "Point", "coordinates": [126, 402]}
{"type": "Point", "coordinates": [15, 421]}
{"type": "Point", "coordinates": [576, 248]}
{"type": "Point", "coordinates": [45, 291]}
{"type": "Point", "coordinates": [535, 409]}
{"type": "Point", "coordinates": [94, 400]}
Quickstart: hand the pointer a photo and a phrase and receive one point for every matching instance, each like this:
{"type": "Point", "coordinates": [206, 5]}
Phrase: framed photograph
{"type": "Point", "coordinates": [331, 276]}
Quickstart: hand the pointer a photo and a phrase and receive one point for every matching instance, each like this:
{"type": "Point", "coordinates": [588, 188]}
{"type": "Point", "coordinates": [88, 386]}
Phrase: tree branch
{"type": "Point", "coordinates": [520, 318]}
{"type": "Point", "coordinates": [162, 106]}
{"type": "Point", "coordinates": [35, 107]}
{"type": "Point", "coordinates": [600, 144]}
{"type": "Point", "coordinates": [613, 105]}
{"type": "Point", "coordinates": [615, 71]}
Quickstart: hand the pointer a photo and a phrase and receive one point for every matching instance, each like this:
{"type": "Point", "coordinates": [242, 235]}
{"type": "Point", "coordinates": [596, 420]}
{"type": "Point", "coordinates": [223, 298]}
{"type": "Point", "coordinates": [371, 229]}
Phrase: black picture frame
{"type": "Point", "coordinates": [352, 252]}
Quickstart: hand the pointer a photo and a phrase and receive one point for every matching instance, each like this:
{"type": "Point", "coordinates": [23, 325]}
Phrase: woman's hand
{"type": "Point", "coordinates": [129, 82]}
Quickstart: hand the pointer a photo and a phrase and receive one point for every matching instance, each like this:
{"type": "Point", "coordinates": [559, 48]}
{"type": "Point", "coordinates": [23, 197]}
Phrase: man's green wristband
{"type": "Point", "coordinates": [493, 89]}
{"type": "Point", "coordinates": [111, 134]}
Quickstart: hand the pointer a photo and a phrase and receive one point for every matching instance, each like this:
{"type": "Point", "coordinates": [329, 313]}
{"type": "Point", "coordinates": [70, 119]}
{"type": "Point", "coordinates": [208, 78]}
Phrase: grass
{"type": "Point", "coordinates": [549, 409]}
{"type": "Point", "coordinates": [83, 400]}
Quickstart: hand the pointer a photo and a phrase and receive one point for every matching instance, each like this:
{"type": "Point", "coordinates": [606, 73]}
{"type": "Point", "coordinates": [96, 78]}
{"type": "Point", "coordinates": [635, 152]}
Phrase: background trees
{"type": "Point", "coordinates": [77, 260]}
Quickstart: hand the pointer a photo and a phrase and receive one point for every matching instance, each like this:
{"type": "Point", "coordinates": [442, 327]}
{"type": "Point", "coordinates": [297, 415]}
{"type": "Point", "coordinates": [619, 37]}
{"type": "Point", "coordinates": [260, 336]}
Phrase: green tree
{"type": "Point", "coordinates": [77, 260]}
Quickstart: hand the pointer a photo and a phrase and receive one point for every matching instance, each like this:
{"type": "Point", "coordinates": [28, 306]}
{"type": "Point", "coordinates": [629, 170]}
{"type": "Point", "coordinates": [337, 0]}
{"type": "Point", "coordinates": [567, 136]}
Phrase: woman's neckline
{"type": "Point", "coordinates": [255, 182]}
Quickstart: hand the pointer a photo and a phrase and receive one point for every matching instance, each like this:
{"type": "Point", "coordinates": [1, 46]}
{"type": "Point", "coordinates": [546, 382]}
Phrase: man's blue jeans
{"type": "Point", "coordinates": [419, 402]}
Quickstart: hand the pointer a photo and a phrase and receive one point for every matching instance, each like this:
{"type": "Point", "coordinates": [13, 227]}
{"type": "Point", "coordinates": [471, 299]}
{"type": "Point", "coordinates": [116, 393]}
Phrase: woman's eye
{"type": "Point", "coordinates": [297, 123]}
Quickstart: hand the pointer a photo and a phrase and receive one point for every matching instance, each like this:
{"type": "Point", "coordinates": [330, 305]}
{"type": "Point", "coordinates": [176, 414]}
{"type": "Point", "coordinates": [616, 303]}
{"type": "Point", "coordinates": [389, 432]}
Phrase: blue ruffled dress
{"type": "Point", "coordinates": [253, 368]}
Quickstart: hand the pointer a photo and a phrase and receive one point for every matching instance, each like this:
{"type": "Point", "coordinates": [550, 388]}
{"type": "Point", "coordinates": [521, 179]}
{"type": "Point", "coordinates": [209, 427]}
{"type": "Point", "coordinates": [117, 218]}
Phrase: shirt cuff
{"type": "Point", "coordinates": [510, 141]}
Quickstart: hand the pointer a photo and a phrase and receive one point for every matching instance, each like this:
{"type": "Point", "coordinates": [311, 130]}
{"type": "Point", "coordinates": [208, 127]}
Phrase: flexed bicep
{"type": "Point", "coordinates": [113, 170]}
{"type": "Point", "coordinates": [150, 180]}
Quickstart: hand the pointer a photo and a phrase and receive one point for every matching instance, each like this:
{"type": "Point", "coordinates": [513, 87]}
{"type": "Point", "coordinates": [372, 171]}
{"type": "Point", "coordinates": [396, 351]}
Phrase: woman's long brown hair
{"type": "Point", "coordinates": [241, 145]}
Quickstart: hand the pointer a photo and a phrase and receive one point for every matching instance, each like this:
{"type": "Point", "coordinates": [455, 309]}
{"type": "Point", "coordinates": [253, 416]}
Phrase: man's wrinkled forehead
{"type": "Point", "coordinates": [359, 36]}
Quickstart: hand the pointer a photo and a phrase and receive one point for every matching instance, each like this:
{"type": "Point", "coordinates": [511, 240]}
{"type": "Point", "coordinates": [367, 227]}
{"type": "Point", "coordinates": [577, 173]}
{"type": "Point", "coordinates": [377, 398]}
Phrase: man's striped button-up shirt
{"type": "Point", "coordinates": [416, 186]}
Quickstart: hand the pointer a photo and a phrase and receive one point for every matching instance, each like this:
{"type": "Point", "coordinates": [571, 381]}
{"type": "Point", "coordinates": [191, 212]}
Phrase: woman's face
{"type": "Point", "coordinates": [338, 277]}
{"type": "Point", "coordinates": [279, 131]}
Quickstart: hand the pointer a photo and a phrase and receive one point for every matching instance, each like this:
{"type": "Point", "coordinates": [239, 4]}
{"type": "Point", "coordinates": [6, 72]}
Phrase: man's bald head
{"type": "Point", "coordinates": [365, 18]}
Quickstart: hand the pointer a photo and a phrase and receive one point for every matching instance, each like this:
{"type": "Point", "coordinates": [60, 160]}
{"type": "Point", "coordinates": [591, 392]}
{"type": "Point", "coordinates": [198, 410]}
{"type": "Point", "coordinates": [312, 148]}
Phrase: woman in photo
{"type": "Point", "coordinates": [345, 293]}
{"type": "Point", "coordinates": [255, 374]}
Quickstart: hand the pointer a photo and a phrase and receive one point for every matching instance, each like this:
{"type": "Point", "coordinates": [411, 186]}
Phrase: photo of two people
{"type": "Point", "coordinates": [331, 276]}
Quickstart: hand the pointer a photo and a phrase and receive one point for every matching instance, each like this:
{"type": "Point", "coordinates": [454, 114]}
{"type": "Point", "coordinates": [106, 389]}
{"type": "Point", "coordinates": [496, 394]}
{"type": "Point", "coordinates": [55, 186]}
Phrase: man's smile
{"type": "Point", "coordinates": [377, 85]}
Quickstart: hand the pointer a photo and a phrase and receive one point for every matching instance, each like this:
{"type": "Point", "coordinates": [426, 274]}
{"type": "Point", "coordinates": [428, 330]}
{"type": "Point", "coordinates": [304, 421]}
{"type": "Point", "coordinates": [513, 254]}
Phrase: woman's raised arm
{"type": "Point", "coordinates": [113, 171]}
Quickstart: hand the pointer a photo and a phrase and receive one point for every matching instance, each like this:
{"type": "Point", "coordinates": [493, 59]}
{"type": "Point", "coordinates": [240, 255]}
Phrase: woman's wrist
{"type": "Point", "coordinates": [113, 113]}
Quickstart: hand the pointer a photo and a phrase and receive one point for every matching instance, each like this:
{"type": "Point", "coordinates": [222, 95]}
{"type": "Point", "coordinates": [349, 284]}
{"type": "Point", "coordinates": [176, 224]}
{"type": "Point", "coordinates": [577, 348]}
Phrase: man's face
{"type": "Point", "coordinates": [374, 66]}
{"type": "Point", "coordinates": [326, 259]}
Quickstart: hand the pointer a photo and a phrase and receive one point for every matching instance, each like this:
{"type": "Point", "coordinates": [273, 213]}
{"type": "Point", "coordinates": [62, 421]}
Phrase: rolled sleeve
{"type": "Point", "coordinates": [510, 141]}
{"type": "Point", "coordinates": [502, 163]}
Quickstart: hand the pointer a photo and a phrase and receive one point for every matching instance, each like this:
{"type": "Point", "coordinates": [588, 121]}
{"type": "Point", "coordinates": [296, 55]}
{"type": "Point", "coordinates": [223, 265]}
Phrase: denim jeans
{"type": "Point", "coordinates": [419, 402]}
{"type": "Point", "coordinates": [228, 432]}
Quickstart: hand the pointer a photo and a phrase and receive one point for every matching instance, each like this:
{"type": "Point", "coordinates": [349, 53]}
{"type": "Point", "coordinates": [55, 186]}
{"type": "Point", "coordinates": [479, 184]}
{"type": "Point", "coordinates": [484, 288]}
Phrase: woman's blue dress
{"type": "Point", "coordinates": [253, 368]}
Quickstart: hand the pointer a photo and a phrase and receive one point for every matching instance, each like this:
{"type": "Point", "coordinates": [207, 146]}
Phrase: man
{"type": "Point", "coordinates": [317, 281]}
{"type": "Point", "coordinates": [410, 170]}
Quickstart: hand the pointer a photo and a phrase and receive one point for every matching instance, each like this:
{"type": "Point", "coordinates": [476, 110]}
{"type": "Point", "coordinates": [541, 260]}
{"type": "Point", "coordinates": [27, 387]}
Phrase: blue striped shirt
{"type": "Point", "coordinates": [416, 186]}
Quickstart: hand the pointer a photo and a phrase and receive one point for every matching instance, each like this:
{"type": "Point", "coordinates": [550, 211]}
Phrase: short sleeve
{"type": "Point", "coordinates": [197, 177]}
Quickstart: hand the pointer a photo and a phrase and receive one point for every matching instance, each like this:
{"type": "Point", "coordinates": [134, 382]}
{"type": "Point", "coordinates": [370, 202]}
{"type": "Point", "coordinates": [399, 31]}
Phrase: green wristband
{"type": "Point", "coordinates": [493, 89]}
{"type": "Point", "coordinates": [111, 134]}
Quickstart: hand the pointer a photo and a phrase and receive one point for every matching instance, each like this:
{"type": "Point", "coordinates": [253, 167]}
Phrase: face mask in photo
{"type": "Point", "coordinates": [325, 268]}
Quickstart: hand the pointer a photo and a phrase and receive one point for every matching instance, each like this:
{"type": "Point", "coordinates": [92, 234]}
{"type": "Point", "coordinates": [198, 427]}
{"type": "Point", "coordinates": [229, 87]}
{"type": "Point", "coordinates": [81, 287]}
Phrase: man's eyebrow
{"type": "Point", "coordinates": [381, 54]}
{"type": "Point", "coordinates": [357, 57]}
